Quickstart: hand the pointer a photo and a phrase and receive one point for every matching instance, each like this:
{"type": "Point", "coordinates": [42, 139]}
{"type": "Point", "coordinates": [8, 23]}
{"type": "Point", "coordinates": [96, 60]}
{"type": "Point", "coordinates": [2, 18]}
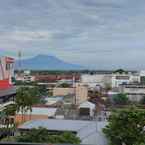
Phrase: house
{"type": "Point", "coordinates": [87, 109]}
{"type": "Point", "coordinates": [7, 90]}
{"type": "Point", "coordinates": [79, 92]}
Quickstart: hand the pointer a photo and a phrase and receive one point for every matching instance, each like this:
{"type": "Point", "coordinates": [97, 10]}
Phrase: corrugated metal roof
{"type": "Point", "coordinates": [87, 131]}
{"type": "Point", "coordinates": [6, 92]}
{"type": "Point", "coordinates": [56, 125]}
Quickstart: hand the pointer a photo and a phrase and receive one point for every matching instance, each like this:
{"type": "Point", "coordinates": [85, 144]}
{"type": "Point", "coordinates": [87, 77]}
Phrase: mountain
{"type": "Point", "coordinates": [45, 62]}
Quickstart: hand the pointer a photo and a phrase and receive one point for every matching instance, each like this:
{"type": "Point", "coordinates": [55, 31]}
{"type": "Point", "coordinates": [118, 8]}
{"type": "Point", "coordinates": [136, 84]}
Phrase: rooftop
{"type": "Point", "coordinates": [90, 132]}
{"type": "Point", "coordinates": [7, 92]}
{"type": "Point", "coordinates": [56, 125]}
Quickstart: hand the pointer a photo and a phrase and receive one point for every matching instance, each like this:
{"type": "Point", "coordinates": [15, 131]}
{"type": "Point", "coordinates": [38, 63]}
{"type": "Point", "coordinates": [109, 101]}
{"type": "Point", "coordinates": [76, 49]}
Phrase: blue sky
{"type": "Point", "coordinates": [99, 34]}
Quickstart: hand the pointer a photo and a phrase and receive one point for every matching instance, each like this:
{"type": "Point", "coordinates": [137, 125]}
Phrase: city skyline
{"type": "Point", "coordinates": [98, 34]}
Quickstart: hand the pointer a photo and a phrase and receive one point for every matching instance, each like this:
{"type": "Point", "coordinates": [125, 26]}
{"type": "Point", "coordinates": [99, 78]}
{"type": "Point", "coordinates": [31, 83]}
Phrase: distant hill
{"type": "Point", "coordinates": [45, 62]}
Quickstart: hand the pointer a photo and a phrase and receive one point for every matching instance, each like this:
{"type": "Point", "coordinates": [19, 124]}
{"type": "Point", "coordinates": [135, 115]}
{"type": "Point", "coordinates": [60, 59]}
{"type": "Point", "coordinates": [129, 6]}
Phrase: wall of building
{"type": "Point", "coordinates": [6, 67]}
{"type": "Point", "coordinates": [63, 91]}
{"type": "Point", "coordinates": [134, 93]}
{"type": "Point", "coordinates": [19, 120]}
{"type": "Point", "coordinates": [118, 79]}
{"type": "Point", "coordinates": [6, 72]}
{"type": "Point", "coordinates": [81, 93]}
{"type": "Point", "coordinates": [96, 79]}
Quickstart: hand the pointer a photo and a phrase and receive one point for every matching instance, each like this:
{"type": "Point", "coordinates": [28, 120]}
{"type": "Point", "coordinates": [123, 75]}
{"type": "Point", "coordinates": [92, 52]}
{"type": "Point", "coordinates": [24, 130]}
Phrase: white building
{"type": "Point", "coordinates": [96, 79]}
{"type": "Point", "coordinates": [87, 108]}
{"type": "Point", "coordinates": [142, 76]}
{"type": "Point", "coordinates": [135, 92]}
{"type": "Point", "coordinates": [6, 69]}
{"type": "Point", "coordinates": [118, 79]}
{"type": "Point", "coordinates": [25, 76]}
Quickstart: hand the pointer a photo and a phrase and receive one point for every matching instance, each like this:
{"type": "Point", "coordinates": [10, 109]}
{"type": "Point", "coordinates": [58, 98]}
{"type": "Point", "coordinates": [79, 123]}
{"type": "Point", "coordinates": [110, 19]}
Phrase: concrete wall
{"type": "Point", "coordinates": [4, 72]}
{"type": "Point", "coordinates": [118, 79]}
{"type": "Point", "coordinates": [63, 91]}
{"type": "Point", "coordinates": [18, 118]}
{"type": "Point", "coordinates": [81, 93]}
{"type": "Point", "coordinates": [134, 93]}
{"type": "Point", "coordinates": [96, 79]}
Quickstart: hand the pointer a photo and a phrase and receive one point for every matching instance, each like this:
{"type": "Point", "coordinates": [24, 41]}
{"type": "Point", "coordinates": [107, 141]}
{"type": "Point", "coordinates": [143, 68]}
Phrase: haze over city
{"type": "Point", "coordinates": [98, 34]}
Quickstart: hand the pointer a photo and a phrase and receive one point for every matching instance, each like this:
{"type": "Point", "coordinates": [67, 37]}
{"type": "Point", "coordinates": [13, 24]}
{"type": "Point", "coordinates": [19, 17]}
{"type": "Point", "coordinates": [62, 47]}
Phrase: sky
{"type": "Point", "coordinates": [97, 34]}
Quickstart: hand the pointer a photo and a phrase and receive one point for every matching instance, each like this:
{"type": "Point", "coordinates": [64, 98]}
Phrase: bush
{"type": "Point", "coordinates": [120, 99]}
{"type": "Point", "coordinates": [41, 135]}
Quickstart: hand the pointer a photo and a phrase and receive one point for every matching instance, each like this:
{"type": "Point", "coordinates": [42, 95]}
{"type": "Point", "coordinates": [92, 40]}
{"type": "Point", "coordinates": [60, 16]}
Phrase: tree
{"type": "Point", "coordinates": [42, 135]}
{"type": "Point", "coordinates": [120, 99]}
{"type": "Point", "coordinates": [42, 90]}
{"type": "Point", "coordinates": [21, 100]}
{"type": "Point", "coordinates": [10, 110]}
{"type": "Point", "coordinates": [120, 71]}
{"type": "Point", "coordinates": [64, 85]}
{"type": "Point", "coordinates": [140, 143]}
{"type": "Point", "coordinates": [107, 86]}
{"type": "Point", "coordinates": [25, 99]}
{"type": "Point", "coordinates": [126, 126]}
{"type": "Point", "coordinates": [143, 100]}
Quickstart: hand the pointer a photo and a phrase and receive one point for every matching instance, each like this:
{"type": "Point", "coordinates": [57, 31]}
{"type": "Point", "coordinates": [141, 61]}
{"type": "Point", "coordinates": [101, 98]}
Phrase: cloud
{"type": "Point", "coordinates": [75, 30]}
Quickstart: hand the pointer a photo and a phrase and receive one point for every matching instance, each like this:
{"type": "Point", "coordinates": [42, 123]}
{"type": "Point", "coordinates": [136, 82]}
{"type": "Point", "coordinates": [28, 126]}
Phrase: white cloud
{"type": "Point", "coordinates": [76, 29]}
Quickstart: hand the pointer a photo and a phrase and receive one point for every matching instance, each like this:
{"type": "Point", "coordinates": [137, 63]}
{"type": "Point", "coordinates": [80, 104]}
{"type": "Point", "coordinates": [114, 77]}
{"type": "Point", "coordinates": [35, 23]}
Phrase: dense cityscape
{"type": "Point", "coordinates": [72, 72]}
{"type": "Point", "coordinates": [76, 107]}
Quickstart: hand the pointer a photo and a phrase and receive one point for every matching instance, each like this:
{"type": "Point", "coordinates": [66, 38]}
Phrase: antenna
{"type": "Point", "coordinates": [19, 61]}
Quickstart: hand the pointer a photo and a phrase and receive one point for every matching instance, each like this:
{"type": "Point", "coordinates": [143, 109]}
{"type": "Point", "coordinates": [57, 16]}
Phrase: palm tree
{"type": "Point", "coordinates": [25, 99]}
{"type": "Point", "coordinates": [22, 100]}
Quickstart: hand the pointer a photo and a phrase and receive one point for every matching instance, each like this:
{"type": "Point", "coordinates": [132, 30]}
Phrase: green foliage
{"type": "Point", "coordinates": [42, 90]}
{"type": "Point", "coordinates": [108, 87]}
{"type": "Point", "coordinates": [120, 71]}
{"type": "Point", "coordinates": [143, 100]}
{"type": "Point", "coordinates": [120, 99]}
{"type": "Point", "coordinates": [126, 126]}
{"type": "Point", "coordinates": [41, 135]}
{"type": "Point", "coordinates": [64, 85]}
{"type": "Point", "coordinates": [25, 98]}
{"type": "Point", "coordinates": [8, 139]}
{"type": "Point", "coordinates": [140, 143]}
{"type": "Point", "coordinates": [10, 110]}
{"type": "Point", "coordinates": [21, 83]}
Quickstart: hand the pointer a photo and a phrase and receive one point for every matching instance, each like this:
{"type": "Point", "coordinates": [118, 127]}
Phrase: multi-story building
{"type": "Point", "coordinates": [135, 92]}
{"type": "Point", "coordinates": [7, 91]}
{"type": "Point", "coordinates": [81, 93]}
{"type": "Point", "coordinates": [142, 77]}
{"type": "Point", "coordinates": [119, 79]}
{"type": "Point", "coordinates": [6, 71]}
{"type": "Point", "coordinates": [96, 79]}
